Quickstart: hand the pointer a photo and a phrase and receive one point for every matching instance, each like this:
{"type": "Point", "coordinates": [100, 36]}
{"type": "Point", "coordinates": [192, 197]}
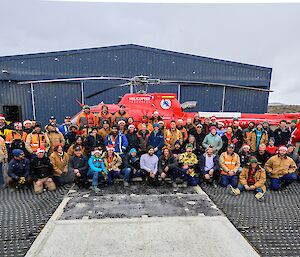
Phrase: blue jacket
{"type": "Point", "coordinates": [18, 168]}
{"type": "Point", "coordinates": [63, 128]}
{"type": "Point", "coordinates": [156, 141]}
{"type": "Point", "coordinates": [96, 165]}
{"type": "Point", "coordinates": [121, 143]}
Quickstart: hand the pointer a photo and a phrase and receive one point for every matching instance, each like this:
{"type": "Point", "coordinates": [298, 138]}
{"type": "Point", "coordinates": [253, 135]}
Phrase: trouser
{"type": "Point", "coordinates": [146, 176]}
{"type": "Point", "coordinates": [39, 185]}
{"type": "Point", "coordinates": [229, 180]}
{"type": "Point", "coordinates": [285, 180]}
{"type": "Point", "coordinates": [214, 176]}
{"type": "Point", "coordinates": [1, 174]}
{"type": "Point", "coordinates": [178, 173]}
{"type": "Point", "coordinates": [82, 180]}
{"type": "Point", "coordinates": [14, 183]}
{"type": "Point", "coordinates": [257, 190]}
{"type": "Point", "coordinates": [128, 173]}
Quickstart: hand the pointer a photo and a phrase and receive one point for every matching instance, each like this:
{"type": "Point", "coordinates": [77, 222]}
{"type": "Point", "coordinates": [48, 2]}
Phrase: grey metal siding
{"type": "Point", "coordinates": [13, 94]}
{"type": "Point", "coordinates": [58, 99]}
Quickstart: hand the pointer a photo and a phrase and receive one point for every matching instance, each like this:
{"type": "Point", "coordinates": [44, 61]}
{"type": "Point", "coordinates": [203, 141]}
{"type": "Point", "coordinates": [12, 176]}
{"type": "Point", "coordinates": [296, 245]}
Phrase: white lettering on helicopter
{"type": "Point", "coordinates": [139, 99]}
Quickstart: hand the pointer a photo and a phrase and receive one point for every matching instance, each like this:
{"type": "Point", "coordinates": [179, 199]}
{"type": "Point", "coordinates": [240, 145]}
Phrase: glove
{"type": "Point", "coordinates": [21, 180]}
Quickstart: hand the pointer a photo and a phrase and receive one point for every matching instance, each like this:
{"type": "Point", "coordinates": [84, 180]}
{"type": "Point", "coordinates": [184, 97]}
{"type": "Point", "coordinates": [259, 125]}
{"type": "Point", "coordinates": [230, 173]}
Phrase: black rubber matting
{"type": "Point", "coordinates": [23, 214]}
{"type": "Point", "coordinates": [271, 226]}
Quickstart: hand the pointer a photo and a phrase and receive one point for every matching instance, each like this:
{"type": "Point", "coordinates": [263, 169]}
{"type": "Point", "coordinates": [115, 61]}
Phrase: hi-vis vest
{"type": "Point", "coordinates": [169, 136]}
{"type": "Point", "coordinates": [37, 141]}
{"type": "Point", "coordinates": [230, 161]}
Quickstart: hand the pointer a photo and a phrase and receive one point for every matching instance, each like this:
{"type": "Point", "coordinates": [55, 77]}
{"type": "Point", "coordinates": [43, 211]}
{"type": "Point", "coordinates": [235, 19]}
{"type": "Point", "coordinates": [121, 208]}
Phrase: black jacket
{"type": "Point", "coordinates": [130, 162]}
{"type": "Point", "coordinates": [41, 168]}
{"type": "Point", "coordinates": [80, 163]}
{"type": "Point", "coordinates": [171, 162]}
{"type": "Point", "coordinates": [92, 142]}
{"type": "Point", "coordinates": [202, 161]}
{"type": "Point", "coordinates": [18, 168]}
{"type": "Point", "coordinates": [281, 137]}
{"type": "Point", "coordinates": [133, 141]}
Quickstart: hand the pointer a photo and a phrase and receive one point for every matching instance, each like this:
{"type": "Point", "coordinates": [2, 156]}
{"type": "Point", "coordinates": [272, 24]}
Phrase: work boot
{"type": "Point", "coordinates": [233, 191]}
{"type": "Point", "coordinates": [260, 196]}
{"type": "Point", "coordinates": [126, 184]}
{"type": "Point", "coordinates": [184, 184]}
{"type": "Point", "coordinates": [95, 189]}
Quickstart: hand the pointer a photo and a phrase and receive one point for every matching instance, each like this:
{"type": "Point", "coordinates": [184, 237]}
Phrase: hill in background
{"type": "Point", "coordinates": [276, 108]}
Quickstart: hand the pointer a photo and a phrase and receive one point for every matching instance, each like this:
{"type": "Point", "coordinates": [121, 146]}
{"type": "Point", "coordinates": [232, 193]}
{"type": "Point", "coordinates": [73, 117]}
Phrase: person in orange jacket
{"type": "Point", "coordinates": [86, 118]}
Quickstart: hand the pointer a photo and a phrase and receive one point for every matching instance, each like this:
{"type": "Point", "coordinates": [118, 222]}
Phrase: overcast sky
{"type": "Point", "coordinates": [261, 34]}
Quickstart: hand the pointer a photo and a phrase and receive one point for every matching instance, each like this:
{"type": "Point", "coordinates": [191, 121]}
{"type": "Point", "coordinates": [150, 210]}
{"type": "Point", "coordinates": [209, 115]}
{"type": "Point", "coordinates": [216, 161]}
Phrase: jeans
{"type": "Point", "coordinates": [257, 190]}
{"type": "Point", "coordinates": [229, 180]}
{"type": "Point", "coordinates": [1, 174]}
{"type": "Point", "coordinates": [285, 180]}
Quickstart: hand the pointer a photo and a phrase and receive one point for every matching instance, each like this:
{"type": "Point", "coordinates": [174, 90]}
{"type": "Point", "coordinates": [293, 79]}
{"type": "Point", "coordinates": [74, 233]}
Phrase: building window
{"type": "Point", "coordinates": [12, 113]}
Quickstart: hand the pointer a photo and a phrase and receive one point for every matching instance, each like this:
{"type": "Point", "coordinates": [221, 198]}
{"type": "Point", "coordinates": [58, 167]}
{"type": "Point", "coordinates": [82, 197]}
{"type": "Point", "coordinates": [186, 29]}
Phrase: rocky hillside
{"type": "Point", "coordinates": [283, 108]}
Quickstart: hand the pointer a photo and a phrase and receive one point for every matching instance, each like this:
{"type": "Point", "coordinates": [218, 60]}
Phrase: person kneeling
{"type": "Point", "coordinates": [42, 172]}
{"type": "Point", "coordinates": [252, 178]}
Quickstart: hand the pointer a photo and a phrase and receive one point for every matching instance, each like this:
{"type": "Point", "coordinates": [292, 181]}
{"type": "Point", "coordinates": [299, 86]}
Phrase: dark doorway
{"type": "Point", "coordinates": [12, 113]}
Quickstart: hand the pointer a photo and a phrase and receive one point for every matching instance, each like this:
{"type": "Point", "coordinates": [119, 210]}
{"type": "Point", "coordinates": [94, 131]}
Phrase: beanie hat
{"type": "Point", "coordinates": [86, 107]}
{"type": "Point", "coordinates": [177, 142]}
{"type": "Point", "coordinates": [17, 152]}
{"type": "Point", "coordinates": [132, 150]}
{"type": "Point", "coordinates": [294, 121]}
{"type": "Point", "coordinates": [212, 127]}
{"type": "Point", "coordinates": [155, 125]}
{"type": "Point", "coordinates": [149, 147]}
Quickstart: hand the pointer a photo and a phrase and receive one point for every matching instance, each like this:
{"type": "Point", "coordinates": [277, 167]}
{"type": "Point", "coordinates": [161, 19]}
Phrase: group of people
{"type": "Point", "coordinates": [99, 148]}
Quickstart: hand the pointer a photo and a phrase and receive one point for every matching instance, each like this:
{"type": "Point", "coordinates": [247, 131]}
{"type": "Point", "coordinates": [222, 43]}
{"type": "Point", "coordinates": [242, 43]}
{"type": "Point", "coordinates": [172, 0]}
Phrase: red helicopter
{"type": "Point", "coordinates": [138, 102]}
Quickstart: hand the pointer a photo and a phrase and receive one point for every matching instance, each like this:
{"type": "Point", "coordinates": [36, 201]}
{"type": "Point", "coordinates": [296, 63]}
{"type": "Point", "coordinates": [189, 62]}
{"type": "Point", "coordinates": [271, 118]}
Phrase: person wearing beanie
{"type": "Point", "coordinates": [104, 115]}
{"type": "Point", "coordinates": [143, 137]}
{"type": "Point", "coordinates": [121, 114]}
{"type": "Point", "coordinates": [105, 130]}
{"type": "Point", "coordinates": [199, 137]}
{"type": "Point", "coordinates": [79, 142]}
{"type": "Point", "coordinates": [132, 138]}
{"type": "Point", "coordinates": [94, 140]}
{"type": "Point", "coordinates": [37, 139]}
{"type": "Point", "coordinates": [122, 126]}
{"type": "Point", "coordinates": [229, 164]}
{"type": "Point", "coordinates": [267, 129]}
{"type": "Point", "coordinates": [252, 178]}
{"type": "Point", "coordinates": [256, 137]}
{"type": "Point", "coordinates": [86, 118]}
{"type": "Point", "coordinates": [271, 148]}
{"type": "Point", "coordinates": [188, 162]}
{"type": "Point", "coordinates": [293, 125]}
{"type": "Point", "coordinates": [97, 169]}
{"type": "Point", "coordinates": [59, 160]}
{"type": "Point", "coordinates": [213, 139]}
{"type": "Point", "coordinates": [131, 165]}
{"type": "Point", "coordinates": [42, 172]}
{"type": "Point", "coordinates": [3, 159]}
{"type": "Point", "coordinates": [18, 170]}
{"type": "Point", "coordinates": [156, 139]}
{"type": "Point", "coordinates": [145, 121]}
{"type": "Point", "coordinates": [177, 150]}
{"type": "Point", "coordinates": [70, 137]}
{"type": "Point", "coordinates": [113, 163]}
{"type": "Point", "coordinates": [149, 166]}
{"type": "Point", "coordinates": [172, 135]}
{"type": "Point", "coordinates": [78, 165]}
{"type": "Point", "coordinates": [282, 169]}
{"type": "Point", "coordinates": [282, 134]}
{"type": "Point", "coordinates": [118, 140]}
{"type": "Point", "coordinates": [209, 166]}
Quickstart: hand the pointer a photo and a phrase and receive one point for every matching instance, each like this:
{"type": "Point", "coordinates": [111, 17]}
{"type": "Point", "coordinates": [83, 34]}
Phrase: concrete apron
{"type": "Point", "coordinates": [154, 236]}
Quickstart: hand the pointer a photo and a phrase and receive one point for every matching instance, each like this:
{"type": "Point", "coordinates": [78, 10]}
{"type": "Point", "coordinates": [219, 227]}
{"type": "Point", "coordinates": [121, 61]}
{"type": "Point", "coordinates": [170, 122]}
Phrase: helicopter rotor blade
{"type": "Point", "coordinates": [73, 79]}
{"type": "Point", "coordinates": [107, 89]}
{"type": "Point", "coordinates": [211, 84]}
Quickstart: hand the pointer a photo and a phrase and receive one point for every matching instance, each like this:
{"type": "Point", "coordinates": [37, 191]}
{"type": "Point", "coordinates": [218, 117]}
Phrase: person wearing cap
{"type": "Point", "coordinates": [282, 169]}
{"type": "Point", "coordinates": [113, 163]}
{"type": "Point", "coordinates": [221, 129]}
{"type": "Point", "coordinates": [131, 165]}
{"type": "Point", "coordinates": [199, 137]}
{"type": "Point", "coordinates": [42, 172]}
{"type": "Point", "coordinates": [168, 166]}
{"type": "Point", "coordinates": [79, 142]}
{"type": "Point", "coordinates": [94, 140]}
{"type": "Point", "coordinates": [155, 117]}
{"type": "Point", "coordinates": [149, 166]}
{"type": "Point", "coordinates": [228, 138]}
{"type": "Point", "coordinates": [182, 130]}
{"type": "Point", "coordinates": [245, 155]}
{"type": "Point", "coordinates": [252, 178]}
{"type": "Point", "coordinates": [256, 137]}
{"type": "Point", "coordinates": [229, 165]}
{"type": "Point", "coordinates": [27, 124]}
{"type": "Point", "coordinates": [78, 165]}
{"type": "Point", "coordinates": [52, 120]}
{"type": "Point", "coordinates": [209, 166]}
{"type": "Point", "coordinates": [132, 138]}
{"type": "Point", "coordinates": [271, 148]}
{"type": "Point", "coordinates": [55, 137]}
{"type": "Point", "coordinates": [97, 169]}
{"type": "Point", "coordinates": [86, 118]}
{"type": "Point", "coordinates": [282, 134]}
{"type": "Point", "coordinates": [156, 139]}
{"type": "Point", "coordinates": [117, 140]}
{"type": "Point", "coordinates": [172, 135]}
{"type": "Point", "coordinates": [105, 130]}
{"type": "Point", "coordinates": [213, 139]}
{"type": "Point", "coordinates": [59, 160]}
{"type": "Point", "coordinates": [188, 163]}
{"type": "Point", "coordinates": [143, 137]}
{"type": "Point", "coordinates": [145, 121]}
{"type": "Point", "coordinates": [70, 137]}
{"type": "Point", "coordinates": [18, 170]}
{"type": "Point", "coordinates": [37, 139]}
{"type": "Point", "coordinates": [189, 126]}
{"type": "Point", "coordinates": [3, 159]}
{"type": "Point", "coordinates": [104, 115]}
{"type": "Point", "coordinates": [262, 155]}
{"type": "Point", "coordinates": [4, 126]}
{"type": "Point", "coordinates": [192, 141]}
{"type": "Point", "coordinates": [64, 128]}
{"type": "Point", "coordinates": [294, 155]}
{"type": "Point", "coordinates": [238, 134]}
{"type": "Point", "coordinates": [269, 131]}
{"type": "Point", "coordinates": [16, 139]}
{"type": "Point", "coordinates": [121, 114]}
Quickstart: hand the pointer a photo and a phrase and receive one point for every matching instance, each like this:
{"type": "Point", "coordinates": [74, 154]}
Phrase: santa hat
{"type": "Point", "coordinates": [2, 117]}
{"type": "Point", "coordinates": [131, 126]}
{"type": "Point", "coordinates": [156, 112]}
{"type": "Point", "coordinates": [27, 122]}
{"type": "Point", "coordinates": [96, 152]}
{"type": "Point", "coordinates": [121, 122]}
{"type": "Point", "coordinates": [40, 150]}
{"type": "Point", "coordinates": [17, 124]}
{"type": "Point", "coordinates": [246, 146]}
{"type": "Point", "coordinates": [213, 118]}
{"type": "Point", "coordinates": [221, 123]}
{"type": "Point", "coordinates": [110, 147]}
{"type": "Point", "coordinates": [283, 147]}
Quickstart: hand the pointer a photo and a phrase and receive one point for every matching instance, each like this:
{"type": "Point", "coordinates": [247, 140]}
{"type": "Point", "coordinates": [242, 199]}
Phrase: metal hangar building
{"type": "Point", "coordinates": [42, 100]}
